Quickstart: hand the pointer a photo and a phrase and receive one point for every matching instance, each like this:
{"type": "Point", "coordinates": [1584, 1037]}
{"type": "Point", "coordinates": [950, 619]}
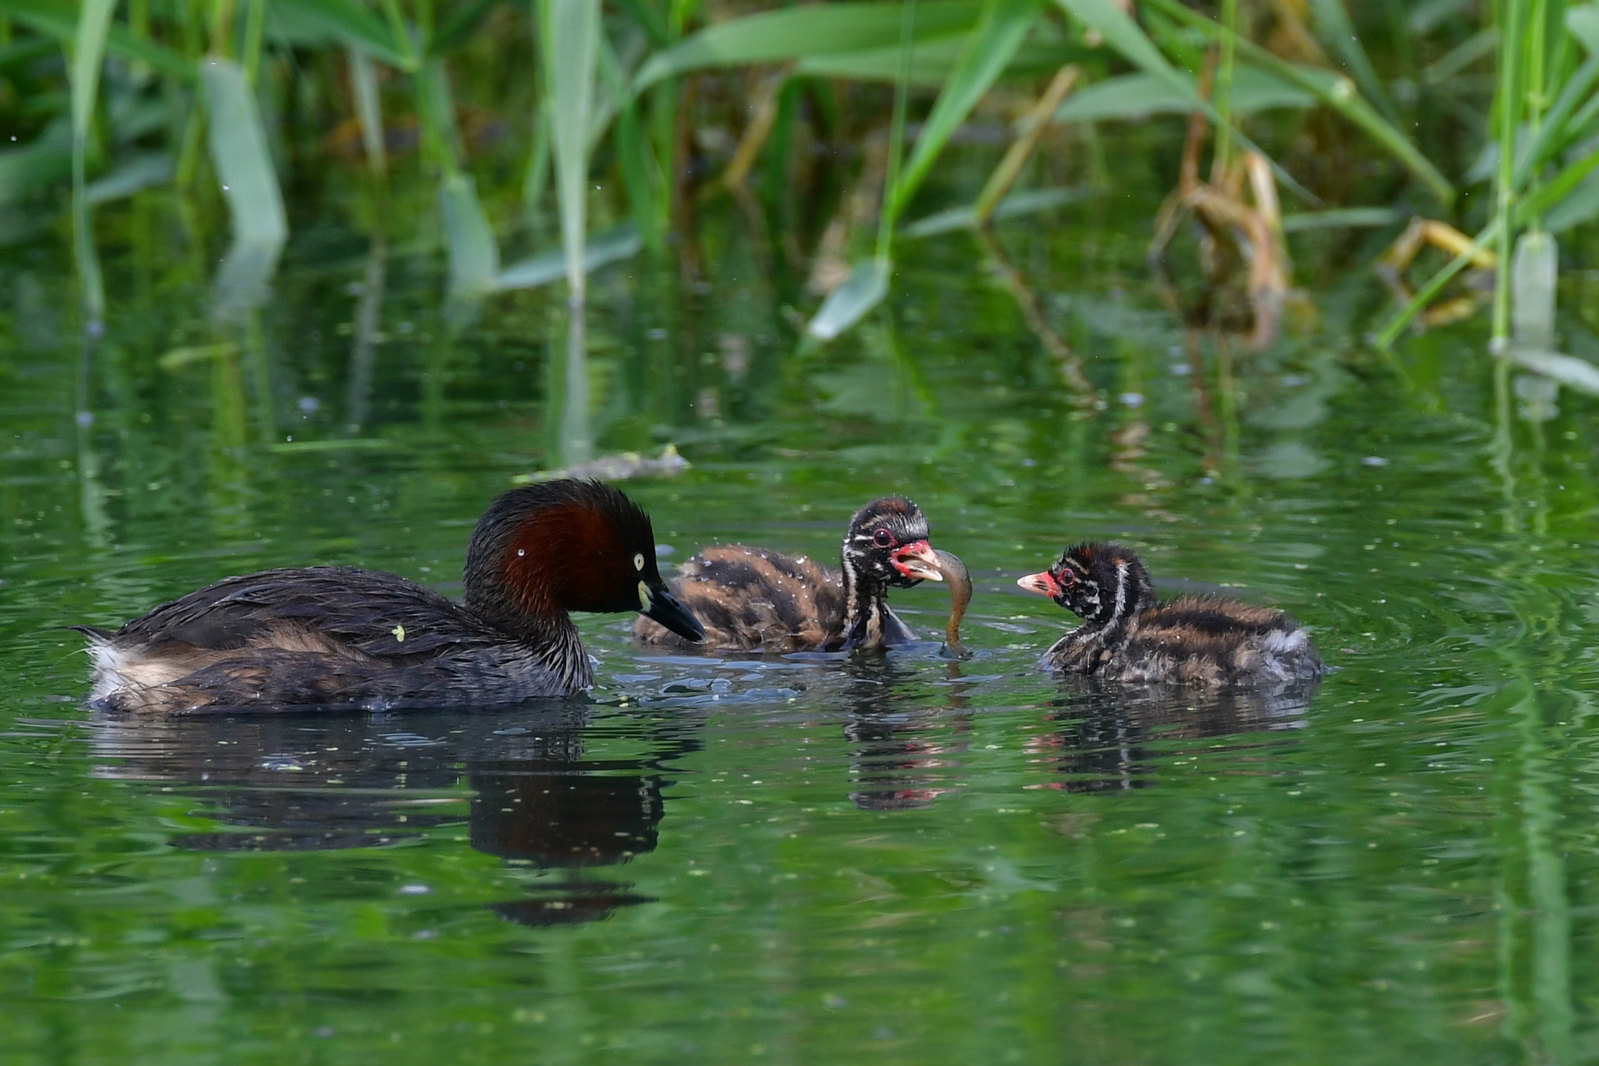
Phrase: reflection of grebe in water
{"type": "Point", "coordinates": [346, 781]}
{"type": "Point", "coordinates": [904, 751]}
{"type": "Point", "coordinates": [1107, 737]}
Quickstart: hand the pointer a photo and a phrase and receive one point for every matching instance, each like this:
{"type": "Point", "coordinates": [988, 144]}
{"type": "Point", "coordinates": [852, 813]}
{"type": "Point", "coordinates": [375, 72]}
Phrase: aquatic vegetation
{"type": "Point", "coordinates": [619, 123]}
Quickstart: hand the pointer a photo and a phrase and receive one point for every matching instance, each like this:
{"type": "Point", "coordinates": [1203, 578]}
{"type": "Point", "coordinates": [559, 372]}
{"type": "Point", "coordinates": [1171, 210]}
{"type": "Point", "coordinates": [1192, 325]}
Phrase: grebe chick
{"type": "Point", "coordinates": [756, 599]}
{"type": "Point", "coordinates": [1190, 640]}
{"type": "Point", "coordinates": [338, 636]}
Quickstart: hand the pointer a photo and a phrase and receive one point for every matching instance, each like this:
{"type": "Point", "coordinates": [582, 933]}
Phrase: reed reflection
{"type": "Point", "coordinates": [538, 796]}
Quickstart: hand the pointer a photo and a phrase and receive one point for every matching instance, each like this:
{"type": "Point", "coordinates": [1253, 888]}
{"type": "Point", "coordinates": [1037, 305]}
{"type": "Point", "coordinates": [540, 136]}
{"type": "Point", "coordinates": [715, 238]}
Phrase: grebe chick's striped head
{"type": "Point", "coordinates": [887, 545]}
{"type": "Point", "coordinates": [1100, 581]}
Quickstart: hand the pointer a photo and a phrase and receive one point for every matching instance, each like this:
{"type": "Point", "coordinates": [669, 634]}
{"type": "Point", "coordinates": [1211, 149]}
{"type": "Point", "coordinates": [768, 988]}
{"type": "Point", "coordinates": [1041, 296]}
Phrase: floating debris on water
{"type": "Point", "coordinates": [618, 467]}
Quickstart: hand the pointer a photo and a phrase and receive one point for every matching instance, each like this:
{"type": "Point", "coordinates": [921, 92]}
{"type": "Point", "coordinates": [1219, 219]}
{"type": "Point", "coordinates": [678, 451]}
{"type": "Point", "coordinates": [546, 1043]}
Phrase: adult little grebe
{"type": "Point", "coordinates": [1193, 640]}
{"type": "Point", "coordinates": [752, 598]}
{"type": "Point", "coordinates": [341, 636]}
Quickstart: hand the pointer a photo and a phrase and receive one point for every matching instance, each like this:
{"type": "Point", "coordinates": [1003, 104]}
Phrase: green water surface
{"type": "Point", "coordinates": [900, 860]}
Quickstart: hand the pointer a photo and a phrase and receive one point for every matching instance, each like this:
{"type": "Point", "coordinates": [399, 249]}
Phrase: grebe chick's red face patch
{"type": "Point", "coordinates": [918, 561]}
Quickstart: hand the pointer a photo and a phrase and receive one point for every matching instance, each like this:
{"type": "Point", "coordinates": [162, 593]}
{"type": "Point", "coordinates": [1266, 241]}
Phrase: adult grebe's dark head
{"type": "Point", "coordinates": [568, 545]}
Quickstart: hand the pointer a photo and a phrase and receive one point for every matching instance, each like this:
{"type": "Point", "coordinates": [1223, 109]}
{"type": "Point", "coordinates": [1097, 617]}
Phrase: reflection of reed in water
{"type": "Point", "coordinates": [1110, 737]}
{"type": "Point", "coordinates": [298, 783]}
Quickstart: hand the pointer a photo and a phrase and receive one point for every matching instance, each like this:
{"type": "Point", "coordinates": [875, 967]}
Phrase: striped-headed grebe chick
{"type": "Point", "coordinates": [338, 636]}
{"type": "Point", "coordinates": [757, 599]}
{"type": "Point", "coordinates": [1127, 635]}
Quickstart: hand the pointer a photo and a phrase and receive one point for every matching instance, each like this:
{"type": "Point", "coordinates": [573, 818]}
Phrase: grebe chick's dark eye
{"type": "Point", "coordinates": [341, 637]}
{"type": "Point", "coordinates": [1127, 635]}
{"type": "Point", "coordinates": [755, 598]}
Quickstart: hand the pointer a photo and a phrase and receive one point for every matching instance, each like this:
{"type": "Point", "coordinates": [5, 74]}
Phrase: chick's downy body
{"type": "Point", "coordinates": [1127, 635]}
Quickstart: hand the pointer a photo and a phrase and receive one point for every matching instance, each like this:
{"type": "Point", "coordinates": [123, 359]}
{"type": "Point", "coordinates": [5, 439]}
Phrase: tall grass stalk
{"type": "Point", "coordinates": [1513, 37]}
{"type": "Point", "coordinates": [1223, 95]}
{"type": "Point", "coordinates": [986, 54]}
{"type": "Point", "coordinates": [254, 27]}
{"type": "Point", "coordinates": [368, 109]}
{"type": "Point", "coordinates": [88, 52]}
{"type": "Point", "coordinates": [896, 134]}
{"type": "Point", "coordinates": [867, 283]}
{"type": "Point", "coordinates": [569, 40]}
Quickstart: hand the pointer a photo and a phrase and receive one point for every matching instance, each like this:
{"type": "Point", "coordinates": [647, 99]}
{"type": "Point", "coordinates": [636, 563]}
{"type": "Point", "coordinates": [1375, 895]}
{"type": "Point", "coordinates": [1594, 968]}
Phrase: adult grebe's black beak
{"type": "Point", "coordinates": [658, 603]}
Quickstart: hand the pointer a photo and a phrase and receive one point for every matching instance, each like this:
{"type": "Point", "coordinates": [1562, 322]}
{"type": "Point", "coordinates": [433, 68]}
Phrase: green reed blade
{"type": "Point", "coordinates": [458, 26]}
{"type": "Point", "coordinates": [1553, 132]}
{"type": "Point", "coordinates": [639, 176]}
{"type": "Point", "coordinates": [57, 20]}
{"type": "Point", "coordinates": [650, 18]}
{"type": "Point", "coordinates": [239, 153]}
{"type": "Point", "coordinates": [1580, 205]}
{"type": "Point", "coordinates": [569, 37]}
{"type": "Point", "coordinates": [132, 172]}
{"type": "Point", "coordinates": [1016, 205]}
{"type": "Point", "coordinates": [468, 237]}
{"type": "Point", "coordinates": [795, 32]}
{"type": "Point", "coordinates": [896, 130]}
{"type": "Point", "coordinates": [1138, 95]}
{"type": "Point", "coordinates": [601, 249]}
{"type": "Point", "coordinates": [1450, 65]}
{"type": "Point", "coordinates": [88, 52]}
{"type": "Point", "coordinates": [1343, 218]}
{"type": "Point", "coordinates": [536, 178]}
{"type": "Point", "coordinates": [863, 290]}
{"type": "Point", "coordinates": [1338, 34]}
{"type": "Point", "coordinates": [999, 33]}
{"type": "Point", "coordinates": [1508, 100]}
{"type": "Point", "coordinates": [1583, 23]}
{"type": "Point", "coordinates": [368, 108]}
{"type": "Point", "coordinates": [435, 105]}
{"type": "Point", "coordinates": [1558, 189]}
{"type": "Point", "coordinates": [355, 26]}
{"type": "Point", "coordinates": [1221, 90]}
{"type": "Point", "coordinates": [1125, 36]}
{"type": "Point", "coordinates": [640, 173]}
{"type": "Point", "coordinates": [1040, 53]}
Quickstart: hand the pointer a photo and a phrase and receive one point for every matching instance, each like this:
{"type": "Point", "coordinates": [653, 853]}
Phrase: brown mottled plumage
{"type": "Point", "coordinates": [752, 598]}
{"type": "Point", "coordinates": [1190, 640]}
{"type": "Point", "coordinates": [337, 636]}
